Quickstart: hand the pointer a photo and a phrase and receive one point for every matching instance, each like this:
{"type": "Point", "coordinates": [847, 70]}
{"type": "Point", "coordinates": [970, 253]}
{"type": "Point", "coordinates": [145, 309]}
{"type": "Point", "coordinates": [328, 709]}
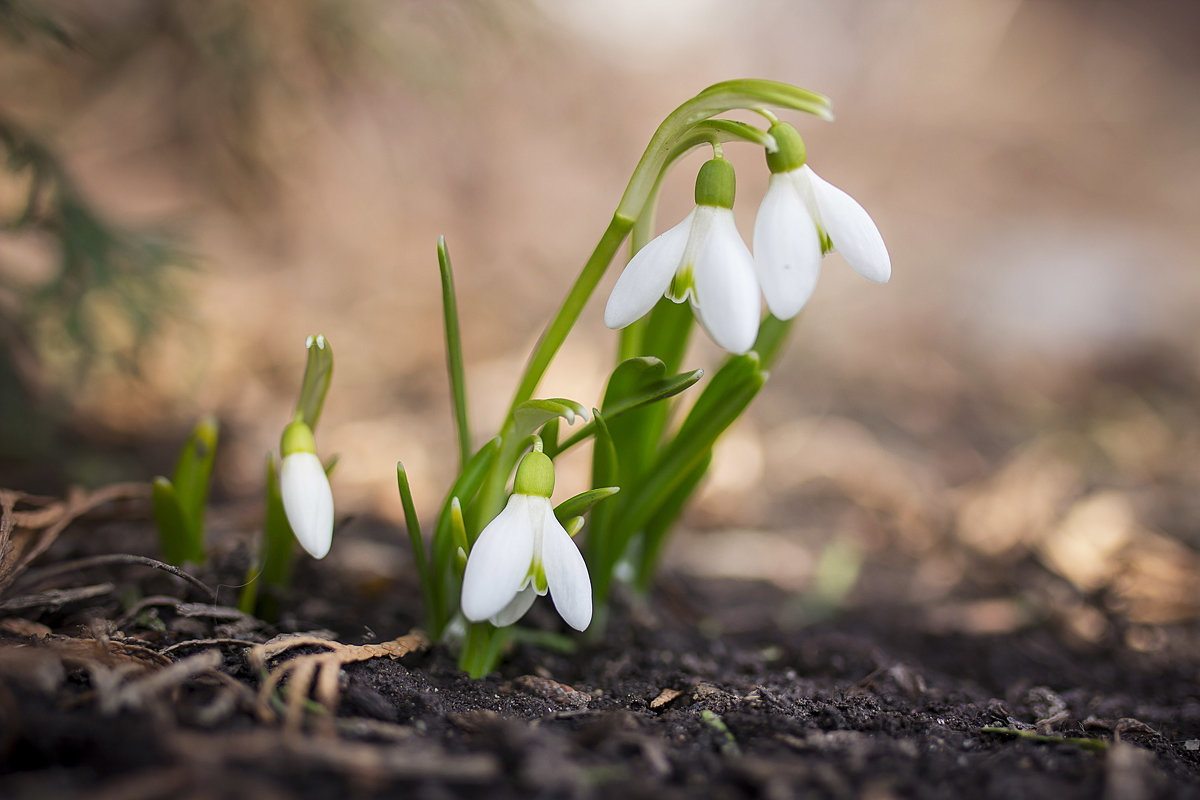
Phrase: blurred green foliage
{"type": "Point", "coordinates": [99, 291]}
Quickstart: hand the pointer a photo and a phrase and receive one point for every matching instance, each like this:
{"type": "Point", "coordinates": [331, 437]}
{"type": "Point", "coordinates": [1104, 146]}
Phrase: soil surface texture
{"type": "Point", "coordinates": [121, 681]}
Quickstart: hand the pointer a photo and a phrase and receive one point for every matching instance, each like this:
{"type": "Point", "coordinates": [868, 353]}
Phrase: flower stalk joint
{"type": "Point", "coordinates": [790, 152]}
{"type": "Point", "coordinates": [297, 438]}
{"type": "Point", "coordinates": [716, 184]}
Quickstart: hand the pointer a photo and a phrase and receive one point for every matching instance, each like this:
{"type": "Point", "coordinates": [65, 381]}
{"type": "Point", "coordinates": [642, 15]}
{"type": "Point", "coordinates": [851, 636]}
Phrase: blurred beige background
{"type": "Point", "coordinates": [1034, 168]}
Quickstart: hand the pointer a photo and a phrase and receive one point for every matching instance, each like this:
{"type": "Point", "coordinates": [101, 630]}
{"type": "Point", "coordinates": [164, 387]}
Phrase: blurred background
{"type": "Point", "coordinates": [1009, 431]}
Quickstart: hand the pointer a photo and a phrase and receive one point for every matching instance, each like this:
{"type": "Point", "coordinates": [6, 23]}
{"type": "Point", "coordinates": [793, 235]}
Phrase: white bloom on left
{"type": "Point", "coordinates": [702, 259]}
{"type": "Point", "coordinates": [522, 554]}
{"type": "Point", "coordinates": [304, 488]}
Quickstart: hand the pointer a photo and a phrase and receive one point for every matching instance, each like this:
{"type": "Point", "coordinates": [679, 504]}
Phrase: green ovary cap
{"type": "Point", "coordinates": [535, 475]}
{"type": "Point", "coordinates": [791, 153]}
{"type": "Point", "coordinates": [297, 438]}
{"type": "Point", "coordinates": [716, 184]}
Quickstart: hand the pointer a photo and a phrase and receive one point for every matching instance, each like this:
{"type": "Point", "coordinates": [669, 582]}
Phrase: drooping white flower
{"type": "Point", "coordinates": [304, 488]}
{"type": "Point", "coordinates": [524, 553]}
{"type": "Point", "coordinates": [702, 259]}
{"type": "Point", "coordinates": [801, 218]}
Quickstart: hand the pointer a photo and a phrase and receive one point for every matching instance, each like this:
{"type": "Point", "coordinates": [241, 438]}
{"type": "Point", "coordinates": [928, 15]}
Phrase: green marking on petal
{"type": "Point", "coordinates": [826, 242]}
{"type": "Point", "coordinates": [682, 283]}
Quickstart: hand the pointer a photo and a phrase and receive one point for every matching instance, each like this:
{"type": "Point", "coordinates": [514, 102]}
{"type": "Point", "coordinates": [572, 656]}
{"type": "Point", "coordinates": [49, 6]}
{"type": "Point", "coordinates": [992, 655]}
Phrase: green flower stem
{"type": "Point", "coordinates": [717, 99]}
{"type": "Point", "coordinates": [481, 648]}
{"type": "Point", "coordinates": [772, 335]}
{"type": "Point", "coordinates": [491, 496]}
{"type": "Point", "coordinates": [664, 147]}
{"type": "Point", "coordinates": [606, 249]}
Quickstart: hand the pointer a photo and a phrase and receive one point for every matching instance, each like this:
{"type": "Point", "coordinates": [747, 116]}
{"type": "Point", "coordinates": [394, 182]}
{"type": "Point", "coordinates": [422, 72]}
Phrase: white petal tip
{"type": "Point", "coordinates": [567, 576]}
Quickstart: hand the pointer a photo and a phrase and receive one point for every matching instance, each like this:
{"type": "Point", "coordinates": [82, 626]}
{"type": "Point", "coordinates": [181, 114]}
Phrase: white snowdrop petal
{"type": "Point", "coordinates": [851, 230]}
{"type": "Point", "coordinates": [499, 562]}
{"type": "Point", "coordinates": [515, 609]}
{"type": "Point", "coordinates": [307, 502]}
{"type": "Point", "coordinates": [787, 248]}
{"type": "Point", "coordinates": [647, 276]}
{"type": "Point", "coordinates": [567, 575]}
{"type": "Point", "coordinates": [726, 292]}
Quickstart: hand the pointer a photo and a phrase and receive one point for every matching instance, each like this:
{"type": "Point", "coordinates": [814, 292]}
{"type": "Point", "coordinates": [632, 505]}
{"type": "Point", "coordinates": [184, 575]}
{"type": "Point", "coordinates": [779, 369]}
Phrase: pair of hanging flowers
{"type": "Point", "coordinates": [525, 552]}
{"type": "Point", "coordinates": [703, 259]}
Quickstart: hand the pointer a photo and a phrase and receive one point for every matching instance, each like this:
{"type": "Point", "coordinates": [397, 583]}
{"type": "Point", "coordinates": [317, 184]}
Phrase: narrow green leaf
{"type": "Point", "coordinates": [655, 533]}
{"type": "Point", "coordinates": [772, 334]}
{"type": "Point", "coordinates": [495, 646]}
{"type": "Point", "coordinates": [318, 372]}
{"type": "Point", "coordinates": [636, 433]}
{"type": "Point", "coordinates": [668, 329]}
{"type": "Point", "coordinates": [193, 472]}
{"type": "Point", "coordinates": [544, 640]}
{"type": "Point", "coordinates": [635, 382]}
{"type": "Point", "coordinates": [549, 436]}
{"type": "Point", "coordinates": [725, 398]}
{"type": "Point", "coordinates": [458, 528]}
{"type": "Point", "coordinates": [601, 555]}
{"type": "Point", "coordinates": [652, 392]}
{"type": "Point", "coordinates": [271, 574]}
{"type": "Point", "coordinates": [174, 537]}
{"type": "Point", "coordinates": [533, 414]}
{"type": "Point", "coordinates": [580, 504]}
{"type": "Point", "coordinates": [278, 544]}
{"type": "Point", "coordinates": [1084, 743]}
{"type": "Point", "coordinates": [424, 573]}
{"type": "Point", "coordinates": [472, 476]}
{"type": "Point", "coordinates": [248, 596]}
{"type": "Point", "coordinates": [454, 356]}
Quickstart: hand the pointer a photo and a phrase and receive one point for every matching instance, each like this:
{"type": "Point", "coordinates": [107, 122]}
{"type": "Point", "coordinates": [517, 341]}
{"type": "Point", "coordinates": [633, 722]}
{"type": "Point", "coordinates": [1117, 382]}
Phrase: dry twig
{"type": "Point", "coordinates": [25, 534]}
{"type": "Point", "coordinates": [319, 669]}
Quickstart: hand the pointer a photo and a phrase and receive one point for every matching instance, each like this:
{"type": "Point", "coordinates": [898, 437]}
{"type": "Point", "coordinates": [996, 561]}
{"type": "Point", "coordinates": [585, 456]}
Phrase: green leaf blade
{"type": "Point", "coordinates": [413, 524]}
{"type": "Point", "coordinates": [531, 415]}
{"type": "Point", "coordinates": [581, 503]}
{"type": "Point", "coordinates": [454, 355]}
{"type": "Point", "coordinates": [722, 402]}
{"type": "Point", "coordinates": [318, 373]}
{"type": "Point", "coordinates": [174, 537]}
{"type": "Point", "coordinates": [193, 474]}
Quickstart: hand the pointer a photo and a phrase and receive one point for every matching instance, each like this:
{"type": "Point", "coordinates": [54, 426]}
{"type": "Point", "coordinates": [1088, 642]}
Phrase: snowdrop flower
{"type": "Point", "coordinates": [525, 552]}
{"type": "Point", "coordinates": [702, 259]}
{"type": "Point", "coordinates": [304, 487]}
{"type": "Point", "coordinates": [801, 218]}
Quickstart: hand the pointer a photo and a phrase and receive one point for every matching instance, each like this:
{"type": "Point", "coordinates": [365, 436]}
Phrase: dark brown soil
{"type": "Point", "coordinates": [711, 689]}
